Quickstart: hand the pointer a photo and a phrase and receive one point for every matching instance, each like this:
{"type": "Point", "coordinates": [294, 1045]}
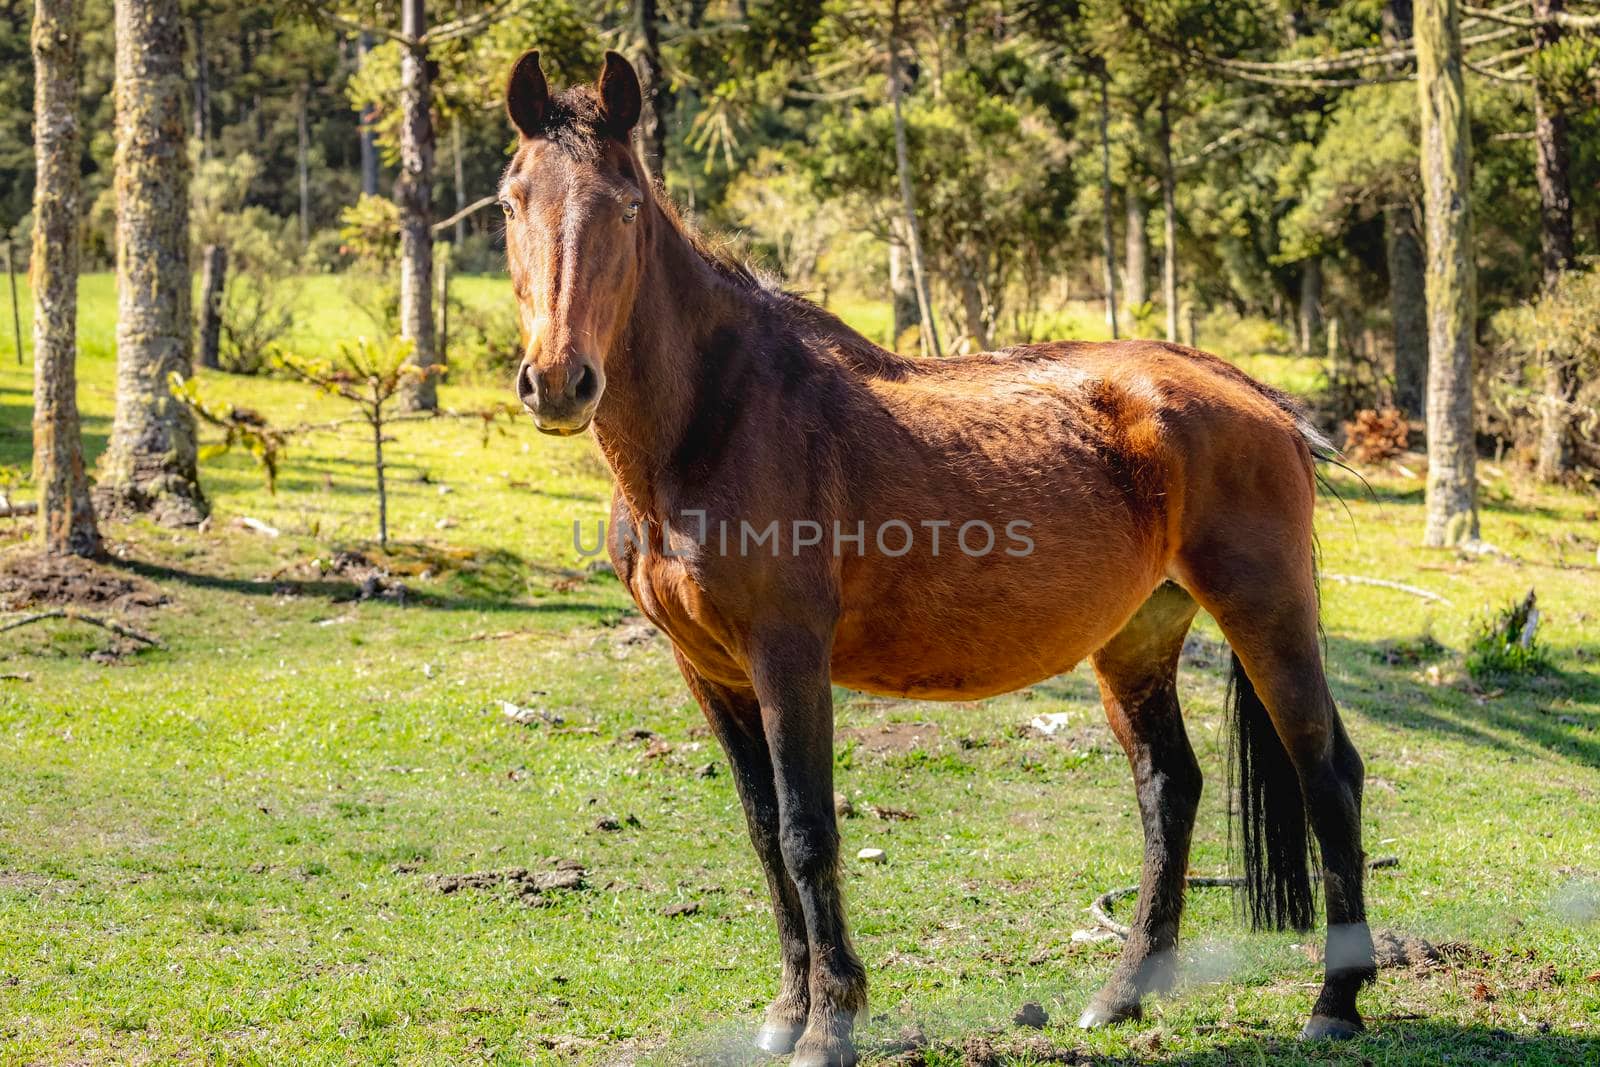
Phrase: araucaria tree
{"type": "Point", "coordinates": [413, 192]}
{"type": "Point", "coordinates": [66, 517]}
{"type": "Point", "coordinates": [150, 465]}
{"type": "Point", "coordinates": [1452, 492]}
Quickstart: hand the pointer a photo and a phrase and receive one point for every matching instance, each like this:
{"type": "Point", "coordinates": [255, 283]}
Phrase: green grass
{"type": "Point", "coordinates": [218, 851]}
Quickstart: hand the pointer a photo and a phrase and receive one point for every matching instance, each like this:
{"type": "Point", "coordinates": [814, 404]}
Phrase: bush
{"type": "Point", "coordinates": [1561, 327]}
{"type": "Point", "coordinates": [485, 342]}
{"type": "Point", "coordinates": [262, 290]}
{"type": "Point", "coordinates": [1507, 644]}
{"type": "Point", "coordinates": [480, 253]}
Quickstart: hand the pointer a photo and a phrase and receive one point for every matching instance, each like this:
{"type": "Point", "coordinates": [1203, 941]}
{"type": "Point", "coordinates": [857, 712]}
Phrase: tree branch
{"type": "Point", "coordinates": [352, 26]}
{"type": "Point", "coordinates": [461, 27]}
{"type": "Point", "coordinates": [471, 209]}
{"type": "Point", "coordinates": [1564, 19]}
{"type": "Point", "coordinates": [92, 620]}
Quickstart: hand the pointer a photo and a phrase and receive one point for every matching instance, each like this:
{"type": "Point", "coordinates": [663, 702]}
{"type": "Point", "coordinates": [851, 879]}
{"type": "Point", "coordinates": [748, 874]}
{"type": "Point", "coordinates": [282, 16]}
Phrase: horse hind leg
{"type": "Point", "coordinates": [1296, 767]}
{"type": "Point", "coordinates": [1137, 672]}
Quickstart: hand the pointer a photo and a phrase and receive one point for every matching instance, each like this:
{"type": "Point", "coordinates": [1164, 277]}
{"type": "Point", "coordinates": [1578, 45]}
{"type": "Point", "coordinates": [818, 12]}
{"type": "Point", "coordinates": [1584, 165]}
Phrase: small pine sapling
{"type": "Point", "coordinates": [368, 374]}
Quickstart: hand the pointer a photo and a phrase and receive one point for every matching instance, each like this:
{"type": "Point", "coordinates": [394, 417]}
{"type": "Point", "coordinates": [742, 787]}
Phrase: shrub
{"type": "Point", "coordinates": [1507, 643]}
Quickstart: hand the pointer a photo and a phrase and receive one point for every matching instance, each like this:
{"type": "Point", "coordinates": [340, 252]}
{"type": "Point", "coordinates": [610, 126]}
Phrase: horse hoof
{"type": "Point", "coordinates": [824, 1052]}
{"type": "Point", "coordinates": [777, 1039]}
{"type": "Point", "coordinates": [1098, 1015]}
{"type": "Point", "coordinates": [1327, 1028]}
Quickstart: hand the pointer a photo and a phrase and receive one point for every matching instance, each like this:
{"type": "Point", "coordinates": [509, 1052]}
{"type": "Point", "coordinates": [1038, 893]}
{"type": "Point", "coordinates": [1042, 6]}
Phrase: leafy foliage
{"type": "Point", "coordinates": [1506, 644]}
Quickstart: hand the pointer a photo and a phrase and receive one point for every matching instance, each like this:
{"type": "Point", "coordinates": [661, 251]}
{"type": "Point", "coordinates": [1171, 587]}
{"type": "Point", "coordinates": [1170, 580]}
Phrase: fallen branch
{"type": "Point", "coordinates": [1384, 583]}
{"type": "Point", "coordinates": [16, 511]}
{"type": "Point", "coordinates": [93, 620]}
{"type": "Point", "coordinates": [1101, 908]}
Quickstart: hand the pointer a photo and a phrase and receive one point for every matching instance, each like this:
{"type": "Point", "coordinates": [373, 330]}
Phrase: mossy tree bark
{"type": "Point", "coordinates": [1136, 242]}
{"type": "Point", "coordinates": [66, 516]}
{"type": "Point", "coordinates": [1107, 240]}
{"type": "Point", "coordinates": [413, 192]}
{"type": "Point", "coordinates": [908, 203]}
{"type": "Point", "coordinates": [150, 464]}
{"type": "Point", "coordinates": [1557, 254]}
{"type": "Point", "coordinates": [1452, 507]}
{"type": "Point", "coordinates": [213, 285]}
{"type": "Point", "coordinates": [657, 93]}
{"type": "Point", "coordinates": [1408, 306]}
{"type": "Point", "coordinates": [1402, 246]}
{"type": "Point", "coordinates": [365, 134]}
{"type": "Point", "coordinates": [1169, 225]}
{"type": "Point", "coordinates": [1309, 322]}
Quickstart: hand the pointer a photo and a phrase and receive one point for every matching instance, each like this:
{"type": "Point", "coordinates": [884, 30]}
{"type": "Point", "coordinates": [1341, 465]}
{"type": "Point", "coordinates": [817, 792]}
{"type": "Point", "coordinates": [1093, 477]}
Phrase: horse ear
{"type": "Point", "coordinates": [527, 95]}
{"type": "Point", "coordinates": [620, 96]}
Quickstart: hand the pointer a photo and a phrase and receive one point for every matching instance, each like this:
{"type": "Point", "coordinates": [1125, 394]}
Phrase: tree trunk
{"type": "Point", "coordinates": [657, 98]}
{"type": "Point", "coordinates": [213, 281]}
{"type": "Point", "coordinates": [303, 161]}
{"type": "Point", "coordinates": [66, 516]}
{"type": "Point", "coordinates": [1310, 320]}
{"type": "Point", "coordinates": [1556, 250]}
{"type": "Point", "coordinates": [150, 463]}
{"type": "Point", "coordinates": [202, 87]}
{"type": "Point", "coordinates": [1169, 205]}
{"type": "Point", "coordinates": [460, 182]}
{"type": "Point", "coordinates": [972, 308]}
{"type": "Point", "coordinates": [1403, 252]}
{"type": "Point", "coordinates": [1408, 307]}
{"type": "Point", "coordinates": [369, 142]}
{"type": "Point", "coordinates": [902, 291]}
{"type": "Point", "coordinates": [908, 203]}
{"type": "Point", "coordinates": [1106, 209]}
{"type": "Point", "coordinates": [1452, 509]}
{"type": "Point", "coordinates": [413, 192]}
{"type": "Point", "coordinates": [1136, 268]}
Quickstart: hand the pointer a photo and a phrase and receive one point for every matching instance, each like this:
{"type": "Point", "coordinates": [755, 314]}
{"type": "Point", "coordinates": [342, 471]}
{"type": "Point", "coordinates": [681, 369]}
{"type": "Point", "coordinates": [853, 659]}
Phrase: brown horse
{"type": "Point", "coordinates": [796, 507]}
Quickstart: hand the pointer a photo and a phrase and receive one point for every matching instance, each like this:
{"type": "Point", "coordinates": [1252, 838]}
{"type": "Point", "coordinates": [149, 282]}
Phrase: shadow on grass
{"type": "Point", "coordinates": [1412, 1042]}
{"type": "Point", "coordinates": [1398, 1042]}
{"type": "Point", "coordinates": [486, 596]}
{"type": "Point", "coordinates": [1378, 680]}
{"type": "Point", "coordinates": [16, 435]}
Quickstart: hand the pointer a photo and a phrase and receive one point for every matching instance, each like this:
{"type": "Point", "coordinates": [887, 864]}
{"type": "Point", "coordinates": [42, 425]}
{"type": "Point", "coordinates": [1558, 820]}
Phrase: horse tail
{"type": "Point", "coordinates": [1270, 812]}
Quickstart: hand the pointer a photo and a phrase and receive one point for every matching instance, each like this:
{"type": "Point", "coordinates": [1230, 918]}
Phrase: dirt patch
{"type": "Point", "coordinates": [893, 738]}
{"type": "Point", "coordinates": [23, 882]}
{"type": "Point", "coordinates": [1390, 948]}
{"type": "Point", "coordinates": [984, 1050]}
{"type": "Point", "coordinates": [530, 887]}
{"type": "Point", "coordinates": [1393, 949]}
{"type": "Point", "coordinates": [28, 581]}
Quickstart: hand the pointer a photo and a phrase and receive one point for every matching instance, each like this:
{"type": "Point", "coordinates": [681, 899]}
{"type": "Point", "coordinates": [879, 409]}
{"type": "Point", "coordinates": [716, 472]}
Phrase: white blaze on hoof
{"type": "Point", "coordinates": [775, 1039]}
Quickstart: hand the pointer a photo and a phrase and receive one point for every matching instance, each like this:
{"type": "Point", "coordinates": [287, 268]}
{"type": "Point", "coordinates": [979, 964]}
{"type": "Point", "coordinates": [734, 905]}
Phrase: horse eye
{"type": "Point", "coordinates": [630, 212]}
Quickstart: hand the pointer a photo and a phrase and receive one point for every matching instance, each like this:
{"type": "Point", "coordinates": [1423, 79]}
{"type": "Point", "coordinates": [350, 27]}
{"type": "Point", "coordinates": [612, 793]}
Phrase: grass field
{"type": "Point", "coordinates": [222, 850]}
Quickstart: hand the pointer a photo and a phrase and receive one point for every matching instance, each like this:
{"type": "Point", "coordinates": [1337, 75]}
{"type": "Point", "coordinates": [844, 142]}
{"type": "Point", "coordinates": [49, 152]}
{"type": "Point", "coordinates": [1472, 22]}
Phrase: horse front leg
{"type": "Point", "coordinates": [790, 669]}
{"type": "Point", "coordinates": [735, 720]}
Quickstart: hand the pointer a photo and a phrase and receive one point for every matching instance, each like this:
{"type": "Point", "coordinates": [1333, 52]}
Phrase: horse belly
{"type": "Point", "coordinates": [973, 632]}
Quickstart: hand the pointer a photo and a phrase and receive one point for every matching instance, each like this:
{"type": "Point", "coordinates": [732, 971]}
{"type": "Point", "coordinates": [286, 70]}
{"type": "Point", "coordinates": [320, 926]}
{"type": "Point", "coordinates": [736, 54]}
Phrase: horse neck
{"type": "Point", "coordinates": [653, 376]}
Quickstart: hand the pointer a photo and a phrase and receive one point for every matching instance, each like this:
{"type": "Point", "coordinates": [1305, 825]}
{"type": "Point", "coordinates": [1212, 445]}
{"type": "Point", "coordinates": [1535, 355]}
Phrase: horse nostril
{"type": "Point", "coordinates": [586, 386]}
{"type": "Point", "coordinates": [527, 390]}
